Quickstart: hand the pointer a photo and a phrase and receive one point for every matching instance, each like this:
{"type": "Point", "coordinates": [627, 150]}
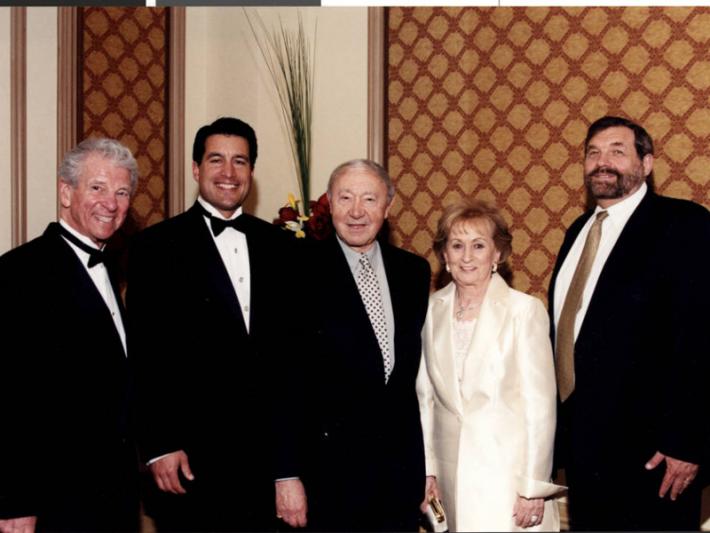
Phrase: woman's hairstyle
{"type": "Point", "coordinates": [469, 210]}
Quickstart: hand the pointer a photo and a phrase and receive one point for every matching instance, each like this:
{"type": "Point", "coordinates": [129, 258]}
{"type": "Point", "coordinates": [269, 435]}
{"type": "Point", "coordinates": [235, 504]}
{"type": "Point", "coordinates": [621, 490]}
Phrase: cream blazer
{"type": "Point", "coordinates": [492, 439]}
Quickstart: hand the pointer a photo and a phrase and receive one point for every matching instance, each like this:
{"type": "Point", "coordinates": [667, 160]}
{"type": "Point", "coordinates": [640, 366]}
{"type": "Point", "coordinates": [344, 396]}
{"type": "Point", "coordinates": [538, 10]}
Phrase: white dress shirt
{"type": "Point", "coordinates": [99, 275]}
{"type": "Point", "coordinates": [612, 226]}
{"type": "Point", "coordinates": [232, 247]}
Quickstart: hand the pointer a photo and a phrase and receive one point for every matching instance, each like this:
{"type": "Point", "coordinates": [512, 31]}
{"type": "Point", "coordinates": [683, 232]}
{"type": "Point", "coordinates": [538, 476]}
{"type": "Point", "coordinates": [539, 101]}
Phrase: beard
{"type": "Point", "coordinates": [607, 190]}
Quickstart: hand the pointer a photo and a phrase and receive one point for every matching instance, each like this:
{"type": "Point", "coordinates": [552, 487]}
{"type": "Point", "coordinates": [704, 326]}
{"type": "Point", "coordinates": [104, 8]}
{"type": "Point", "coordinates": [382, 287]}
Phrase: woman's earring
{"type": "Point", "coordinates": [448, 268]}
{"type": "Point", "coordinates": [495, 268]}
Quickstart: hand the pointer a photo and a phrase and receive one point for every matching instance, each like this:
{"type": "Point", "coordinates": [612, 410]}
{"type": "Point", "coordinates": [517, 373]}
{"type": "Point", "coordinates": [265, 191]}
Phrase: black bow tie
{"type": "Point", "coordinates": [218, 225]}
{"type": "Point", "coordinates": [96, 256]}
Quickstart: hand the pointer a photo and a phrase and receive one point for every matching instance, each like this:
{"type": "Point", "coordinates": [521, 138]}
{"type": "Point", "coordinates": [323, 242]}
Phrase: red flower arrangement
{"type": "Point", "coordinates": [316, 225]}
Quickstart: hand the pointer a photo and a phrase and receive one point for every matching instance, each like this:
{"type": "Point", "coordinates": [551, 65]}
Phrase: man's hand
{"type": "Point", "coordinates": [291, 502]}
{"type": "Point", "coordinates": [679, 474]}
{"type": "Point", "coordinates": [24, 524]}
{"type": "Point", "coordinates": [430, 489]}
{"type": "Point", "coordinates": [165, 472]}
{"type": "Point", "coordinates": [528, 513]}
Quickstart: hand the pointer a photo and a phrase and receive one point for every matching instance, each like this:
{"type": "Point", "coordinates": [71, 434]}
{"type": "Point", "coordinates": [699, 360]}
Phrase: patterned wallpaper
{"type": "Point", "coordinates": [123, 94]}
{"type": "Point", "coordinates": [494, 103]}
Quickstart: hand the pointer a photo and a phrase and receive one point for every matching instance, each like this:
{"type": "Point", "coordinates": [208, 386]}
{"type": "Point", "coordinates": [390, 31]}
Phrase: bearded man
{"type": "Point", "coordinates": [628, 303]}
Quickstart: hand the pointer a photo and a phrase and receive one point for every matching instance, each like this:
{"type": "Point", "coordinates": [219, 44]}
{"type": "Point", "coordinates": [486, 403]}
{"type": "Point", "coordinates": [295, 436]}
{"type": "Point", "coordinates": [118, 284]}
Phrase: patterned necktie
{"type": "Point", "coordinates": [573, 301]}
{"type": "Point", "coordinates": [369, 288]}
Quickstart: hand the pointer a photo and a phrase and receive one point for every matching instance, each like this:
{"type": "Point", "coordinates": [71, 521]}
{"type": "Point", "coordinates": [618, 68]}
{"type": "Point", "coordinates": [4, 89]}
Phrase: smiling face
{"type": "Point", "coordinates": [359, 207]}
{"type": "Point", "coordinates": [612, 168]}
{"type": "Point", "coordinates": [470, 252]}
{"type": "Point", "coordinates": [98, 205]}
{"type": "Point", "coordinates": [225, 173]}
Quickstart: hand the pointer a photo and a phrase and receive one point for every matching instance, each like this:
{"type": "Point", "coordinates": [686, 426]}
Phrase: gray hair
{"type": "Point", "coordinates": [110, 149]}
{"type": "Point", "coordinates": [363, 164]}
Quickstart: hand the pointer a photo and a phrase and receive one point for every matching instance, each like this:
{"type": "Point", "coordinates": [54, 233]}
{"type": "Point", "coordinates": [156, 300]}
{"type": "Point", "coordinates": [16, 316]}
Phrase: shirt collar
{"type": "Point", "coordinates": [212, 211]}
{"type": "Point", "coordinates": [620, 212]}
{"type": "Point", "coordinates": [353, 256]}
{"type": "Point", "coordinates": [83, 238]}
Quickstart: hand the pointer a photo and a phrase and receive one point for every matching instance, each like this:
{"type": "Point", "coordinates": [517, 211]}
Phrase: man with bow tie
{"type": "Point", "coordinates": [67, 462]}
{"type": "Point", "coordinates": [205, 300]}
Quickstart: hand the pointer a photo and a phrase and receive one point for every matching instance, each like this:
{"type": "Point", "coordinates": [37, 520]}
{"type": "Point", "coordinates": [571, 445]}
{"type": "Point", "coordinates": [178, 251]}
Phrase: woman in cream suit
{"type": "Point", "coordinates": [486, 385]}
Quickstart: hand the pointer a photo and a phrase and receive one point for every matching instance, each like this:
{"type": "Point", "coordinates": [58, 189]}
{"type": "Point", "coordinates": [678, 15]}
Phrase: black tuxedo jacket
{"type": "Point", "coordinates": [641, 356]}
{"type": "Point", "coordinates": [66, 452]}
{"type": "Point", "coordinates": [368, 462]}
{"type": "Point", "coordinates": [205, 385]}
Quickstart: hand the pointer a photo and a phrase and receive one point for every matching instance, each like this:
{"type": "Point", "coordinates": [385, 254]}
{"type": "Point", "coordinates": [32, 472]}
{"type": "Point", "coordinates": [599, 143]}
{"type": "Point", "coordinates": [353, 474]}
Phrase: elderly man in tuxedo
{"type": "Point", "coordinates": [66, 460]}
{"type": "Point", "coordinates": [628, 298]}
{"type": "Point", "coordinates": [367, 304]}
{"type": "Point", "coordinates": [205, 304]}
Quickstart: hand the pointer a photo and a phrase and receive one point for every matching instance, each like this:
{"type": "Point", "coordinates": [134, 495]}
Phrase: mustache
{"type": "Point", "coordinates": [604, 170]}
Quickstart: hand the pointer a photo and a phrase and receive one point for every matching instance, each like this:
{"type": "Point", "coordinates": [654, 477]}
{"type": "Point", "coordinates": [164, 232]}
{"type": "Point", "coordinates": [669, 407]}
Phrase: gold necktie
{"type": "Point", "coordinates": [573, 301]}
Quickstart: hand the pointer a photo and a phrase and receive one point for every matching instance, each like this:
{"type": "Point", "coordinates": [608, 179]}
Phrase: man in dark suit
{"type": "Point", "coordinates": [367, 305]}
{"type": "Point", "coordinates": [628, 299]}
{"type": "Point", "coordinates": [206, 300]}
{"type": "Point", "coordinates": [67, 463]}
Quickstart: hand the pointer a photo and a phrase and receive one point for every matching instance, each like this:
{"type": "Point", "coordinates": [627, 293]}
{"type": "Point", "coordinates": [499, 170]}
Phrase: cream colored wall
{"type": "Point", "coordinates": [5, 223]}
{"type": "Point", "coordinates": [41, 119]}
{"type": "Point", "coordinates": [225, 75]}
{"type": "Point", "coordinates": [41, 96]}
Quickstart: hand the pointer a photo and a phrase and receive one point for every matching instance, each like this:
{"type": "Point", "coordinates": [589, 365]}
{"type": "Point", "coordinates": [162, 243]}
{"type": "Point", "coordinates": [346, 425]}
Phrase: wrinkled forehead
{"type": "Point", "coordinates": [362, 180]}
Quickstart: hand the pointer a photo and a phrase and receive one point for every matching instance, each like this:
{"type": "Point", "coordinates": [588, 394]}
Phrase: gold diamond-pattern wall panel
{"type": "Point", "coordinates": [494, 103]}
{"type": "Point", "coordinates": [123, 95]}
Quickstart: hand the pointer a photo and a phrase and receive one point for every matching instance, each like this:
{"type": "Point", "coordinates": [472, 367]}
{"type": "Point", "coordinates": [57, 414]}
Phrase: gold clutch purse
{"type": "Point", "coordinates": [436, 515]}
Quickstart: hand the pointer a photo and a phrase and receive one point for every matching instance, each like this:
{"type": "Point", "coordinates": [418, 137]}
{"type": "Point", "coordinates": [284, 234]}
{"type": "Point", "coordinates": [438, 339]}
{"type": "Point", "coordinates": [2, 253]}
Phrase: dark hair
{"type": "Point", "coordinates": [469, 210]}
{"type": "Point", "coordinates": [224, 126]}
{"type": "Point", "coordinates": [642, 140]}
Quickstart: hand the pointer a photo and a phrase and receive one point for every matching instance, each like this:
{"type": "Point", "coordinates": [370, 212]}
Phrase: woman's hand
{"type": "Point", "coordinates": [528, 513]}
{"type": "Point", "coordinates": [431, 489]}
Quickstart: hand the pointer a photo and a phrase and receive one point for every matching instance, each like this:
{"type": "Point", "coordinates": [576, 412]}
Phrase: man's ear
{"type": "Point", "coordinates": [389, 206]}
{"type": "Point", "coordinates": [647, 164]}
{"type": "Point", "coordinates": [65, 194]}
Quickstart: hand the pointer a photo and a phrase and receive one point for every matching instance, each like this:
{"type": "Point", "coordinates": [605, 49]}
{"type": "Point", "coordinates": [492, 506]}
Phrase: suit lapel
{"type": "Point", "coordinates": [442, 343]}
{"type": "Point", "coordinates": [350, 303]}
{"type": "Point", "coordinates": [206, 259]}
{"type": "Point", "coordinates": [71, 273]}
{"type": "Point", "coordinates": [493, 314]}
{"type": "Point", "coordinates": [622, 261]}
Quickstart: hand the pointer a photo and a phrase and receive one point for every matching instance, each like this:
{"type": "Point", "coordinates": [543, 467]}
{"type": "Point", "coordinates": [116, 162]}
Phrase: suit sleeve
{"type": "Point", "coordinates": [684, 392]}
{"type": "Point", "coordinates": [20, 402]}
{"type": "Point", "coordinates": [155, 326]}
{"type": "Point", "coordinates": [538, 390]}
{"type": "Point", "coordinates": [292, 372]}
